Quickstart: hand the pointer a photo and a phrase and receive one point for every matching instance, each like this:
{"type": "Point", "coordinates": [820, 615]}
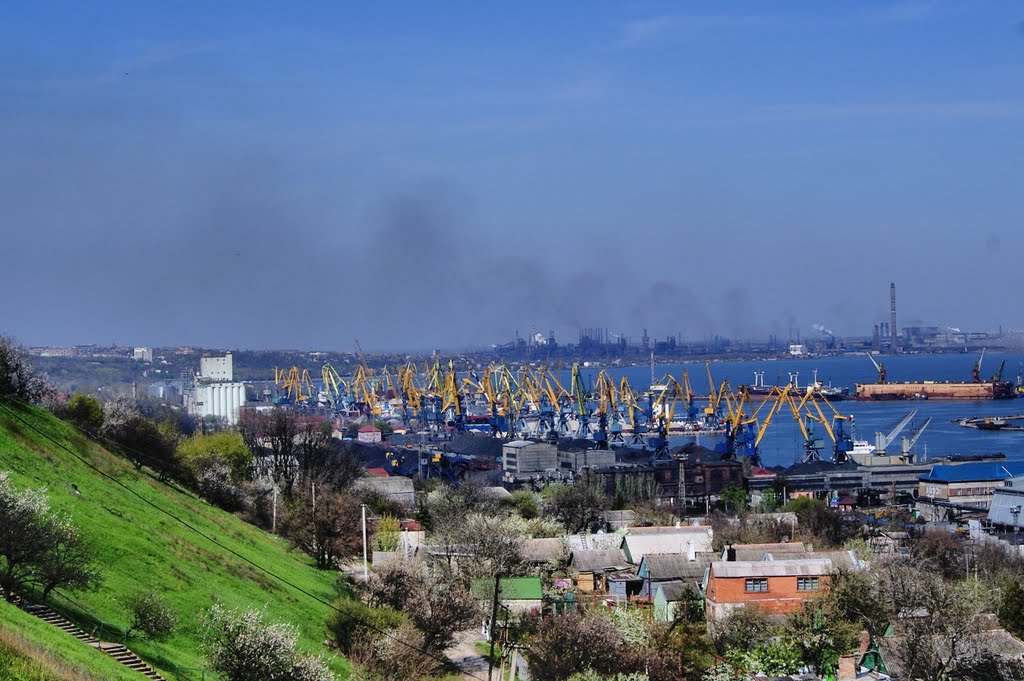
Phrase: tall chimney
{"type": "Point", "coordinates": [892, 316]}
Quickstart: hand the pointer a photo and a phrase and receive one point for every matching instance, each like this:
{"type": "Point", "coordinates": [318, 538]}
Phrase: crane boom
{"type": "Point", "coordinates": [883, 441]}
{"type": "Point", "coordinates": [908, 443]}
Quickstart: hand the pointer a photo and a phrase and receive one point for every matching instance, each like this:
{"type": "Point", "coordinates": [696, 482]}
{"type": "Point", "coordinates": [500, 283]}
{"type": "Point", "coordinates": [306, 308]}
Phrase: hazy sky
{"type": "Point", "coordinates": [420, 174]}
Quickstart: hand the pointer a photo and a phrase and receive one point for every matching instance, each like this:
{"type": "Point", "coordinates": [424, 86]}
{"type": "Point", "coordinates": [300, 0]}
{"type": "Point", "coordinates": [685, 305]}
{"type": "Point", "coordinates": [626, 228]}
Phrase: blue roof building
{"type": "Point", "coordinates": [952, 489]}
{"type": "Point", "coordinates": [975, 471]}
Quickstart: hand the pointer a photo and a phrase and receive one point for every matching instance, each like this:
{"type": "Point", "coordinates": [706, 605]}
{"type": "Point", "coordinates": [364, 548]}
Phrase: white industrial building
{"type": "Point", "coordinates": [216, 395]}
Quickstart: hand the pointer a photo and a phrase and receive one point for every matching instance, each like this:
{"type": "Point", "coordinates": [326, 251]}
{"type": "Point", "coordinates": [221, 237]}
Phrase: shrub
{"type": "Point", "coordinates": [353, 624]}
{"type": "Point", "coordinates": [151, 615]}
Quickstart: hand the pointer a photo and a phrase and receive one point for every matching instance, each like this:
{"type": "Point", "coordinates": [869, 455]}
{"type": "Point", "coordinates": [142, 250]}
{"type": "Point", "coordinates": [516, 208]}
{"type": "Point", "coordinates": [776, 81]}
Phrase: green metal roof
{"type": "Point", "coordinates": [512, 589]}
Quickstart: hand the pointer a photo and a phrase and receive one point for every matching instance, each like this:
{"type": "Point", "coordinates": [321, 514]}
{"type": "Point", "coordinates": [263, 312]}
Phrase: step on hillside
{"type": "Point", "coordinates": [117, 651]}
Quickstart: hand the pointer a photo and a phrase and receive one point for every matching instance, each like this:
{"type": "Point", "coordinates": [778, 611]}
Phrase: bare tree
{"type": "Point", "coordinates": [439, 604]}
{"type": "Point", "coordinates": [325, 524]}
{"type": "Point", "coordinates": [936, 622]}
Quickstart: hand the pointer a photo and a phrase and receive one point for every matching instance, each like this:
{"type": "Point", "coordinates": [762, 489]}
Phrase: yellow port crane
{"type": "Point", "coordinates": [293, 384]}
{"type": "Point", "coordinates": [334, 385]}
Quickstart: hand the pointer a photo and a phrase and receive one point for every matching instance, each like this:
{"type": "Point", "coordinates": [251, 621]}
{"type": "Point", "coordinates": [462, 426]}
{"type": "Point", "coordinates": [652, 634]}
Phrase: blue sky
{"type": "Point", "coordinates": [444, 174]}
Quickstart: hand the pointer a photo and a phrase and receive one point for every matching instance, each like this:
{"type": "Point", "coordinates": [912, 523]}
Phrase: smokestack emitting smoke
{"type": "Point", "coordinates": [892, 316]}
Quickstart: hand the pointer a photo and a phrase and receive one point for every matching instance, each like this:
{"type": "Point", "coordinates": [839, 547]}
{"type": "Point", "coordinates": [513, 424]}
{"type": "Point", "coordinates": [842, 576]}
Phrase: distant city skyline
{"type": "Point", "coordinates": [443, 175]}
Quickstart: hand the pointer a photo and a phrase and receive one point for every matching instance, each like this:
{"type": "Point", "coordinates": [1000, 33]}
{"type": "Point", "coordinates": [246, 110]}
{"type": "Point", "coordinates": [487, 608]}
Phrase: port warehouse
{"type": "Point", "coordinates": [705, 474]}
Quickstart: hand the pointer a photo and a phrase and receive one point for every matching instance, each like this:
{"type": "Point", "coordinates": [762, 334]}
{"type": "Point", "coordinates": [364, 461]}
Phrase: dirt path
{"type": "Point", "coordinates": [466, 657]}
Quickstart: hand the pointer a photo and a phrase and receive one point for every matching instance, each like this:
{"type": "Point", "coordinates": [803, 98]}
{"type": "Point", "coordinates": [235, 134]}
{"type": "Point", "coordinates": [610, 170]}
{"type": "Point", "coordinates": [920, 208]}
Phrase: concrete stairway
{"type": "Point", "coordinates": [115, 650]}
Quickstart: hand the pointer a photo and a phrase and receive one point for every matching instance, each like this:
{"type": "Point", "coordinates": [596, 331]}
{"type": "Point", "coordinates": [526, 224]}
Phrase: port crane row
{"type": "Point", "coordinates": [532, 402]}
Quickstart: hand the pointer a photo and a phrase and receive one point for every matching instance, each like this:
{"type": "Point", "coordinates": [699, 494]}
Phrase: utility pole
{"type": "Point", "coordinates": [366, 574]}
{"type": "Point", "coordinates": [494, 618]}
{"type": "Point", "coordinates": [273, 520]}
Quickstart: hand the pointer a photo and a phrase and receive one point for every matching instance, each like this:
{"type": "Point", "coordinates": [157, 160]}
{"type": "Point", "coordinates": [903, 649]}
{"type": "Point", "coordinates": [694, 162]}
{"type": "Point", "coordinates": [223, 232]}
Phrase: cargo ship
{"type": "Point", "coordinates": [760, 391]}
{"type": "Point", "coordinates": [993, 389]}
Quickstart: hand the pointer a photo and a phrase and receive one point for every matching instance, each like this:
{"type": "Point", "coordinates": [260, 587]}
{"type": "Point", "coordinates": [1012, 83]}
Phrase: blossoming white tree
{"type": "Point", "coordinates": [243, 647]}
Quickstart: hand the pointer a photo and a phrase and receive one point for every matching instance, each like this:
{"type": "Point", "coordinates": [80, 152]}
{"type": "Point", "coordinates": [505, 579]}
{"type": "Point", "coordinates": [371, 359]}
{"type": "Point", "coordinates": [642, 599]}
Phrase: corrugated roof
{"type": "Point", "coordinates": [774, 568]}
{"type": "Point", "coordinates": [840, 559]}
{"type": "Point", "coordinates": [637, 546]}
{"type": "Point", "coordinates": [758, 551]}
{"type": "Point", "coordinates": [976, 471]}
{"type": "Point", "coordinates": [599, 560]}
{"type": "Point", "coordinates": [673, 591]}
{"type": "Point", "coordinates": [512, 589]}
{"type": "Point", "coordinates": [667, 566]}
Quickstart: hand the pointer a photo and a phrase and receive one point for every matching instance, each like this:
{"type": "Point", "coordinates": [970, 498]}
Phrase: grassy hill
{"type": "Point", "coordinates": [140, 547]}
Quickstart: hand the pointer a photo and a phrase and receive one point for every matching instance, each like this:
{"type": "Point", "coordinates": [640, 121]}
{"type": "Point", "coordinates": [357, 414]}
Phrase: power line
{"type": "Point", "coordinates": [212, 540]}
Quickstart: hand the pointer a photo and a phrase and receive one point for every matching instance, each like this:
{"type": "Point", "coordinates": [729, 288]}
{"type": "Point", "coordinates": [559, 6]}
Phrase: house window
{"type": "Point", "coordinates": [807, 584]}
{"type": "Point", "coordinates": [757, 585]}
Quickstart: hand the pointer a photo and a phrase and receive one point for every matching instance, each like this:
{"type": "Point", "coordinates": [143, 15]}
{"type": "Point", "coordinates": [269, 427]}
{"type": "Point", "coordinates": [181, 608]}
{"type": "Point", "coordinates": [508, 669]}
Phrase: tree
{"type": "Point", "coordinates": [141, 440]}
{"type": "Point", "coordinates": [523, 502]}
{"type": "Point", "coordinates": [735, 499]}
{"type": "Point", "coordinates": [39, 547]}
{"type": "Point", "coordinates": [311, 453]}
{"type": "Point", "coordinates": [820, 632]}
{"type": "Point", "coordinates": [816, 518]}
{"type": "Point", "coordinates": [385, 536]}
{"type": "Point", "coordinates": [741, 629]}
{"type": "Point", "coordinates": [856, 600]}
{"type": "Point", "coordinates": [325, 524]}
{"type": "Point", "coordinates": [18, 380]}
{"type": "Point", "coordinates": [439, 605]}
{"type": "Point", "coordinates": [495, 542]}
{"type": "Point", "coordinates": [936, 623]}
{"type": "Point", "coordinates": [85, 412]}
{"type": "Point", "coordinates": [679, 650]}
{"type": "Point", "coordinates": [567, 643]}
{"type": "Point", "coordinates": [1011, 610]}
{"type": "Point", "coordinates": [201, 452]}
{"type": "Point", "coordinates": [578, 507]}
{"type": "Point", "coordinates": [151, 615]}
{"type": "Point", "coordinates": [242, 647]}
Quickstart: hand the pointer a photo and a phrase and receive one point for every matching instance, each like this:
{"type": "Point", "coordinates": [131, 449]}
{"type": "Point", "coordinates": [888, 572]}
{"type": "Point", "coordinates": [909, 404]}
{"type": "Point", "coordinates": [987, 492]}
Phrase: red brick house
{"type": "Point", "coordinates": [777, 586]}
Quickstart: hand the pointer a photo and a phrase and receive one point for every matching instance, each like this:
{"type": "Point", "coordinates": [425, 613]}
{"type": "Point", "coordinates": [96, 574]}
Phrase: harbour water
{"type": "Point", "coordinates": [783, 443]}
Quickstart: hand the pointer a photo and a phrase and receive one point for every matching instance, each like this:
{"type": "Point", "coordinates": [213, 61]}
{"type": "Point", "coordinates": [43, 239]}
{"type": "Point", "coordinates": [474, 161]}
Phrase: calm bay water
{"type": "Point", "coordinates": [782, 444]}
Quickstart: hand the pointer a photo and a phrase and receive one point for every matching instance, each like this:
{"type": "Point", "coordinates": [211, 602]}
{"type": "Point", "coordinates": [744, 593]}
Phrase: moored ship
{"type": "Point", "coordinates": [993, 389]}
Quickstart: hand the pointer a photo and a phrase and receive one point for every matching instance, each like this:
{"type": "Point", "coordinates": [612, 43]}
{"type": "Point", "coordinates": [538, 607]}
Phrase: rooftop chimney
{"type": "Point", "coordinates": [892, 316]}
{"type": "Point", "coordinates": [847, 668]}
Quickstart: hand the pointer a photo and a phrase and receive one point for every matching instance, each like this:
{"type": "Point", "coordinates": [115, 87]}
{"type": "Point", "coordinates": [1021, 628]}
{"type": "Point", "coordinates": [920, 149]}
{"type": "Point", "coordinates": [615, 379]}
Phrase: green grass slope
{"type": "Point", "coordinates": [140, 547]}
{"type": "Point", "coordinates": [32, 650]}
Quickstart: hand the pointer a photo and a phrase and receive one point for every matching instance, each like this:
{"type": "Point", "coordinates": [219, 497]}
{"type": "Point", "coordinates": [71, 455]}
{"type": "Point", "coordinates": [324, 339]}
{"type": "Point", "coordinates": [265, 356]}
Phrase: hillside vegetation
{"type": "Point", "coordinates": [139, 547]}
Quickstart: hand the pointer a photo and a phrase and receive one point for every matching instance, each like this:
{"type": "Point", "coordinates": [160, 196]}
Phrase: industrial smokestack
{"type": "Point", "coordinates": [892, 316]}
